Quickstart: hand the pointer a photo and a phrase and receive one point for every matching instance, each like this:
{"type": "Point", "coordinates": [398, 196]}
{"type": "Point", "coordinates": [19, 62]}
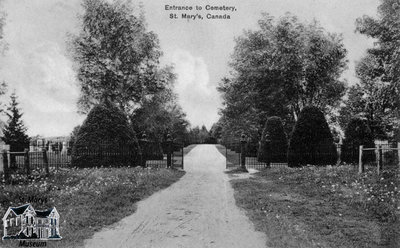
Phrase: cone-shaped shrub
{"type": "Point", "coordinates": [105, 139]}
{"type": "Point", "coordinates": [357, 133]}
{"type": "Point", "coordinates": [311, 141]}
{"type": "Point", "coordinates": [273, 144]}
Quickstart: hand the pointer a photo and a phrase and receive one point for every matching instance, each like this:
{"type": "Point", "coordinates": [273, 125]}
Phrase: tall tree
{"type": "Point", "coordinates": [379, 72]}
{"type": "Point", "coordinates": [161, 114]}
{"type": "Point", "coordinates": [279, 69]}
{"type": "Point", "coordinates": [14, 133]}
{"type": "Point", "coordinates": [117, 58]}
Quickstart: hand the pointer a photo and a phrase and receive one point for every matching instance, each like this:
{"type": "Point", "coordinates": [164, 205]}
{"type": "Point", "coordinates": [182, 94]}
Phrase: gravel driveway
{"type": "Point", "coordinates": [197, 211]}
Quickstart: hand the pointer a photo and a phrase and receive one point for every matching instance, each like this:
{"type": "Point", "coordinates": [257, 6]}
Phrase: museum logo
{"type": "Point", "coordinates": [26, 224]}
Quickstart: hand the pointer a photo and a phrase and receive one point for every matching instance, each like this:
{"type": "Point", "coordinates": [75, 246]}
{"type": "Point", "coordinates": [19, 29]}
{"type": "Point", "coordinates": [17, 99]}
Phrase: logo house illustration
{"type": "Point", "coordinates": [24, 222]}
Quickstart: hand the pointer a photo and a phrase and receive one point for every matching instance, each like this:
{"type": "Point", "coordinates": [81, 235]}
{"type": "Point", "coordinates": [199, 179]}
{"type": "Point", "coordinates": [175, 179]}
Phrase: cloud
{"type": "Point", "coordinates": [36, 65]}
{"type": "Point", "coordinates": [197, 96]}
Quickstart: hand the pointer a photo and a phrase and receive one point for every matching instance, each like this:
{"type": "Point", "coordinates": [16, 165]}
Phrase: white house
{"type": "Point", "coordinates": [24, 222]}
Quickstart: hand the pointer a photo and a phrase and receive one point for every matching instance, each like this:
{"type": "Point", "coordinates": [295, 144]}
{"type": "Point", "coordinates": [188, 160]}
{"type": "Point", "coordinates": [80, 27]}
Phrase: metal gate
{"type": "Point", "coordinates": [234, 156]}
{"type": "Point", "coordinates": [162, 154]}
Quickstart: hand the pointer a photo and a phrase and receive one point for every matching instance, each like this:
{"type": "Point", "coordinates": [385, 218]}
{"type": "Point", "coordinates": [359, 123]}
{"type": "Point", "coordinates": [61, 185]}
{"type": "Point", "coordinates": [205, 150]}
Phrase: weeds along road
{"type": "Point", "coordinates": [197, 211]}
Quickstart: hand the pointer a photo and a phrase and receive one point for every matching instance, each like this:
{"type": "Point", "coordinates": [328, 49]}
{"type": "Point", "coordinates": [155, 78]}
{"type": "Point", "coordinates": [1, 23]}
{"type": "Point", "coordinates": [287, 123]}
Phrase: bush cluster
{"type": "Point", "coordinates": [105, 139]}
{"type": "Point", "coordinates": [273, 144]}
{"type": "Point", "coordinates": [311, 141]}
{"type": "Point", "coordinates": [357, 133]}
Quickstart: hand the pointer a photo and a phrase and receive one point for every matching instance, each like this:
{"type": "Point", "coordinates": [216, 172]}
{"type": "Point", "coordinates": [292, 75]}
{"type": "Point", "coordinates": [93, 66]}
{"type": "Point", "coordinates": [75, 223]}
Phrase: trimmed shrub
{"type": "Point", "coordinates": [357, 133]}
{"type": "Point", "coordinates": [311, 141]}
{"type": "Point", "coordinates": [275, 150]}
{"type": "Point", "coordinates": [105, 139]}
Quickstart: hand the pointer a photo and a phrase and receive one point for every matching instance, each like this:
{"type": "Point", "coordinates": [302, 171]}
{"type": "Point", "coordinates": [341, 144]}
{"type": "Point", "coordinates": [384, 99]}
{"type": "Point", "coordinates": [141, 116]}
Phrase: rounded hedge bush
{"type": "Point", "coordinates": [311, 141]}
{"type": "Point", "coordinates": [357, 133]}
{"type": "Point", "coordinates": [273, 144]}
{"type": "Point", "coordinates": [105, 139]}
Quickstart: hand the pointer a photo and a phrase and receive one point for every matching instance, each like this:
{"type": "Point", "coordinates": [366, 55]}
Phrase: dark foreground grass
{"type": "Point", "coordinates": [323, 207]}
{"type": "Point", "coordinates": [87, 199]}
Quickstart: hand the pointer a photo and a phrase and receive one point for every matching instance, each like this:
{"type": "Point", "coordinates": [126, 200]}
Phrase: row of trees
{"type": "Point", "coordinates": [117, 64]}
{"type": "Point", "coordinates": [312, 142]}
{"type": "Point", "coordinates": [286, 65]}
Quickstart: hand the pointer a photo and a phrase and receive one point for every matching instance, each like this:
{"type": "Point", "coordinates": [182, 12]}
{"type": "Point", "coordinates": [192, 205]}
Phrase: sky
{"type": "Point", "coordinates": [37, 65]}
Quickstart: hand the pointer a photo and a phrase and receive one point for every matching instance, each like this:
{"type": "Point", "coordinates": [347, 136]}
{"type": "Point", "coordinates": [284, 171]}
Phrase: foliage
{"type": "Point", "coordinates": [358, 210]}
{"type": "Point", "coordinates": [277, 70]}
{"type": "Point", "coordinates": [273, 144]}
{"type": "Point", "coordinates": [379, 71]}
{"type": "Point", "coordinates": [14, 133]}
{"type": "Point", "coordinates": [357, 133]}
{"type": "Point", "coordinates": [311, 141]}
{"type": "Point", "coordinates": [199, 135]}
{"type": "Point", "coordinates": [160, 115]}
{"type": "Point", "coordinates": [117, 58]}
{"type": "Point", "coordinates": [106, 128]}
{"type": "Point", "coordinates": [87, 199]}
{"type": "Point", "coordinates": [74, 134]}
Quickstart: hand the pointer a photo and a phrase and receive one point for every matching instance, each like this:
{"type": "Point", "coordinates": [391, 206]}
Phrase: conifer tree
{"type": "Point", "coordinates": [14, 132]}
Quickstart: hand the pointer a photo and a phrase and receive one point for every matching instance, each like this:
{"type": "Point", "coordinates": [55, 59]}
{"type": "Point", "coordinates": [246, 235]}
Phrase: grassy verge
{"type": "Point", "coordinates": [231, 156]}
{"type": "Point", "coordinates": [323, 207]}
{"type": "Point", "coordinates": [187, 149]}
{"type": "Point", "coordinates": [87, 199]}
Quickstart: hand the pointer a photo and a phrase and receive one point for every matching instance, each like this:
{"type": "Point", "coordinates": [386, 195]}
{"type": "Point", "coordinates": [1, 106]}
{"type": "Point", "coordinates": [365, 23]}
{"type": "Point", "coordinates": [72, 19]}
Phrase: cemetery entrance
{"type": "Point", "coordinates": [167, 154]}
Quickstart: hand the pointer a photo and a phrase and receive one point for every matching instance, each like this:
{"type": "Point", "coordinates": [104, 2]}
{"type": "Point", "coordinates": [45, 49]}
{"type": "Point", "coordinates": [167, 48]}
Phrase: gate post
{"type": "Point", "coordinates": [169, 151]}
{"type": "Point", "coordinates": [243, 152]}
{"type": "Point", "coordinates": [360, 163]}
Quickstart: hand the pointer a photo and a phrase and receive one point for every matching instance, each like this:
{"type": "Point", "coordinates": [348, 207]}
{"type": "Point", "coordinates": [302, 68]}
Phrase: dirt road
{"type": "Point", "coordinates": [197, 211]}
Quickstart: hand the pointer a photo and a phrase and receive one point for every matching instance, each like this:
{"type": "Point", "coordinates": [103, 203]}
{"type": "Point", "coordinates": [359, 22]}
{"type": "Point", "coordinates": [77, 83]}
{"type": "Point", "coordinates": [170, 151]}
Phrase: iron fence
{"type": "Point", "coordinates": [254, 160]}
{"type": "Point", "coordinates": [152, 154]}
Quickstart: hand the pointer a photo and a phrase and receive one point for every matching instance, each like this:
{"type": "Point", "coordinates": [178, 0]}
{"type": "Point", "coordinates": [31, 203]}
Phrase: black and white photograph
{"type": "Point", "coordinates": [200, 123]}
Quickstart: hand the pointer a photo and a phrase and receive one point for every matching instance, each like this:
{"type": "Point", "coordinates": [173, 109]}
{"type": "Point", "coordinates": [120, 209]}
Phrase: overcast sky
{"type": "Point", "coordinates": [37, 67]}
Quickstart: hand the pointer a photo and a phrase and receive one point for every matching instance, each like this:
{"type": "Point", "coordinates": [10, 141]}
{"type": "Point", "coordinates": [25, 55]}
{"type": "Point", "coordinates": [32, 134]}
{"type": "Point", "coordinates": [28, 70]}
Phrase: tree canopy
{"type": "Point", "coordinates": [280, 68]}
{"type": "Point", "coordinates": [377, 93]}
{"type": "Point", "coordinates": [116, 57]}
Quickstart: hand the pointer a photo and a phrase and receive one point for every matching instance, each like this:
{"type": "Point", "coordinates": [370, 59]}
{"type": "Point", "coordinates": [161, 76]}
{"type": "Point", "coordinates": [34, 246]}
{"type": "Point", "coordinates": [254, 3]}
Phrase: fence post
{"type": "Point", "coordinates": [26, 162]}
{"type": "Point", "coordinates": [169, 151]}
{"type": "Point", "coordinates": [360, 163]}
{"type": "Point", "coordinates": [398, 153]}
{"type": "Point", "coordinates": [6, 171]}
{"type": "Point", "coordinates": [46, 162]}
{"type": "Point", "coordinates": [380, 159]}
{"type": "Point", "coordinates": [243, 152]}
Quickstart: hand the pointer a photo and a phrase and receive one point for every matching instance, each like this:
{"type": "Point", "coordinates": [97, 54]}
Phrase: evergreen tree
{"type": "Point", "coordinates": [311, 140]}
{"type": "Point", "coordinates": [14, 133]}
{"type": "Point", "coordinates": [273, 144]}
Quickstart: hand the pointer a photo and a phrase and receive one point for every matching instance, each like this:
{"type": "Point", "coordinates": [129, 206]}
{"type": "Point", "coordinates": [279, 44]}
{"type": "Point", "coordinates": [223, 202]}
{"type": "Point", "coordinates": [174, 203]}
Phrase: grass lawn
{"type": "Point", "coordinates": [188, 148]}
{"type": "Point", "coordinates": [231, 156]}
{"type": "Point", "coordinates": [323, 207]}
{"type": "Point", "coordinates": [87, 199]}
